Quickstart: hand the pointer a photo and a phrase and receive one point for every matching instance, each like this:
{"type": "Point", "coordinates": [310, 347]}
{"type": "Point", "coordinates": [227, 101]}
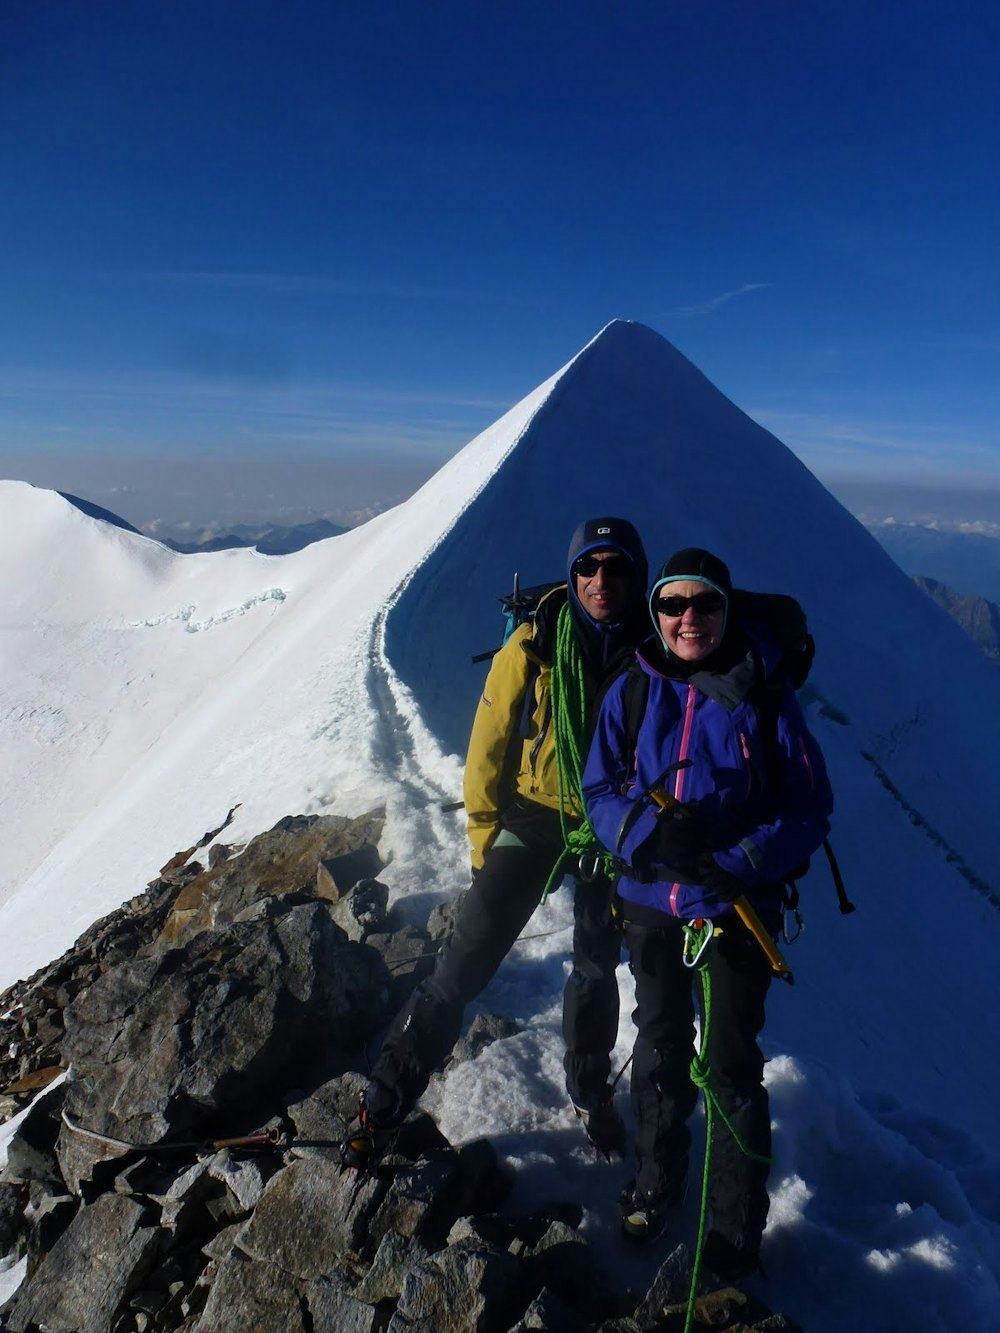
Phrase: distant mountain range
{"type": "Point", "coordinates": [978, 617]}
{"type": "Point", "coordinates": [269, 539]}
{"type": "Point", "coordinates": [972, 558]}
{"type": "Point", "coordinates": [969, 562]}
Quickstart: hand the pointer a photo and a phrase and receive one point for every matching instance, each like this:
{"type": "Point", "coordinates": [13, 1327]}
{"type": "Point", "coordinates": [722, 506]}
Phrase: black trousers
{"type": "Point", "coordinates": [663, 1095]}
{"type": "Point", "coordinates": [490, 917]}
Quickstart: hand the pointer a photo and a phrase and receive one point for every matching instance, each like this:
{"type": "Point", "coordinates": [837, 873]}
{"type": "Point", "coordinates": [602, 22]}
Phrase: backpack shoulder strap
{"type": "Point", "coordinates": [634, 698]}
{"type": "Point", "coordinates": [767, 696]}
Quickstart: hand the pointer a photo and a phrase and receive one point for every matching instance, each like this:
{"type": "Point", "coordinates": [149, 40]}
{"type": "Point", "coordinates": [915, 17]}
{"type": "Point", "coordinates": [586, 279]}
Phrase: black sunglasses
{"type": "Point", "coordinates": [704, 603]}
{"type": "Point", "coordinates": [614, 566]}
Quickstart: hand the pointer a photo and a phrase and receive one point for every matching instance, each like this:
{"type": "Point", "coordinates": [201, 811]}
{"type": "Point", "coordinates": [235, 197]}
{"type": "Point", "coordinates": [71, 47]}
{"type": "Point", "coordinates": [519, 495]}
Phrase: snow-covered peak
{"type": "Point", "coordinates": [144, 693]}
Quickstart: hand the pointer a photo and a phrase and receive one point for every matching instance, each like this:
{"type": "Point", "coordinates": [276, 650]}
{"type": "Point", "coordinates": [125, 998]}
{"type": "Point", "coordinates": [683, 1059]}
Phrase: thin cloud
{"type": "Point", "coordinates": [308, 416]}
{"type": "Point", "coordinates": [314, 284]}
{"type": "Point", "coordinates": [909, 449]}
{"type": "Point", "coordinates": [130, 388]}
{"type": "Point", "coordinates": [709, 307]}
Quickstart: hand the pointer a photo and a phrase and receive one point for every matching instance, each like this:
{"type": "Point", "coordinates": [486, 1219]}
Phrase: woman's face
{"type": "Point", "coordinates": [695, 631]}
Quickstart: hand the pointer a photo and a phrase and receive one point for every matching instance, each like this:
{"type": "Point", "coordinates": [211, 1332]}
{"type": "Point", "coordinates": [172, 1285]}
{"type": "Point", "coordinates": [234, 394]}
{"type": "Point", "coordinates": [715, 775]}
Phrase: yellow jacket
{"type": "Point", "coordinates": [500, 763]}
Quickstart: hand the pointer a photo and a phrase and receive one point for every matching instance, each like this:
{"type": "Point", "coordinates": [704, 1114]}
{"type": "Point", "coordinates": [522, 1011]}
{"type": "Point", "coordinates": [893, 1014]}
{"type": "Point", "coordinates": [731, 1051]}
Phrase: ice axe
{"type": "Point", "coordinates": [663, 801]}
{"type": "Point", "coordinates": [661, 798]}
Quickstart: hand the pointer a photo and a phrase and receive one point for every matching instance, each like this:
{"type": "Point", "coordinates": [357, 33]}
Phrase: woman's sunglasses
{"type": "Point", "coordinates": [703, 603]}
{"type": "Point", "coordinates": [614, 566]}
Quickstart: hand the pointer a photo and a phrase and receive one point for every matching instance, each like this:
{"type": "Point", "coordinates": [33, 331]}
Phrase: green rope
{"type": "Point", "coordinates": [568, 688]}
{"type": "Point", "coordinates": [701, 1075]}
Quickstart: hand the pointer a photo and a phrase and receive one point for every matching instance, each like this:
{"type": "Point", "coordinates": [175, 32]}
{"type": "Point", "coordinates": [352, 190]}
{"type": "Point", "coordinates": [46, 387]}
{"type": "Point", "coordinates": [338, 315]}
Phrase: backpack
{"type": "Point", "coordinates": [780, 619]}
{"type": "Point", "coordinates": [517, 607]}
{"type": "Point", "coordinates": [783, 622]}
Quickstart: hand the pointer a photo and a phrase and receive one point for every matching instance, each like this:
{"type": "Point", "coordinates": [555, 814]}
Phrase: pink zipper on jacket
{"type": "Point", "coordinates": [807, 762]}
{"type": "Point", "coordinates": [681, 774]}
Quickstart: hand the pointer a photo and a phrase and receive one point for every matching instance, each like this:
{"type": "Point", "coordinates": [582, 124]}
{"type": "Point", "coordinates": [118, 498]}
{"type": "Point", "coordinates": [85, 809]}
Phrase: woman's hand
{"type": "Point", "coordinates": [683, 848]}
{"type": "Point", "coordinates": [725, 886]}
{"type": "Point", "coordinates": [680, 842]}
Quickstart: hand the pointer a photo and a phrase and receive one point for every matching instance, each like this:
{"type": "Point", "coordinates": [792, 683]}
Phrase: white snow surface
{"type": "Point", "coordinates": [143, 693]}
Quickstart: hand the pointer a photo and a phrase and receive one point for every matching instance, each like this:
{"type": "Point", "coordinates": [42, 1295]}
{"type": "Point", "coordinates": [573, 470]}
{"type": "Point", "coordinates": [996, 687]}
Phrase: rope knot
{"type": "Point", "coordinates": [700, 1072]}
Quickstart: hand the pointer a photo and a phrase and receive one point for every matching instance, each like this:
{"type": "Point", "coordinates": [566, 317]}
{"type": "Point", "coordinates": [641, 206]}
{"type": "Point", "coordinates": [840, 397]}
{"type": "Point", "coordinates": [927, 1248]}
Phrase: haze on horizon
{"type": "Point", "coordinates": [204, 498]}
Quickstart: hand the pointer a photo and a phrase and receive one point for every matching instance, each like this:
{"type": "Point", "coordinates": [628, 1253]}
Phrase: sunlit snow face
{"type": "Point", "coordinates": [606, 585]}
{"type": "Point", "coordinates": [694, 634]}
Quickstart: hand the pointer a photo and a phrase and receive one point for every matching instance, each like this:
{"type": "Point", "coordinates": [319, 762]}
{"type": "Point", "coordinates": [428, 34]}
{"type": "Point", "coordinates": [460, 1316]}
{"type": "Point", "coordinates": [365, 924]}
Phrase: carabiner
{"type": "Point", "coordinates": [589, 866]}
{"type": "Point", "coordinates": [800, 925]}
{"type": "Point", "coordinates": [697, 934]}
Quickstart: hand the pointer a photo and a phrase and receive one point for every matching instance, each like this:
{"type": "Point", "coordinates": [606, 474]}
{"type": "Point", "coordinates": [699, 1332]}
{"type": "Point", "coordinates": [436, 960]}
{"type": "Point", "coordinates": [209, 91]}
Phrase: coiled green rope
{"type": "Point", "coordinates": [568, 688]}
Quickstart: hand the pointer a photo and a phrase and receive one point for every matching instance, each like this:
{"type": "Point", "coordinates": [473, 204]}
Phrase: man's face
{"type": "Point", "coordinates": [605, 584]}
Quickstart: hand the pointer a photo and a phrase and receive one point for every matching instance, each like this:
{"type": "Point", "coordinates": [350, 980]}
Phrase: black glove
{"type": "Point", "coordinates": [680, 842]}
{"type": "Point", "coordinates": [724, 885]}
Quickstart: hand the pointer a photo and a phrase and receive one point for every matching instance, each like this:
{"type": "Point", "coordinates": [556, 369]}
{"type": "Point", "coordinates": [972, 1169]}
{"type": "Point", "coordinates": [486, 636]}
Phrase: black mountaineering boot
{"type": "Point", "coordinates": [642, 1219]}
{"type": "Point", "coordinates": [645, 1216]}
{"type": "Point", "coordinates": [363, 1147]}
{"type": "Point", "coordinates": [603, 1125]}
{"type": "Point", "coordinates": [728, 1262]}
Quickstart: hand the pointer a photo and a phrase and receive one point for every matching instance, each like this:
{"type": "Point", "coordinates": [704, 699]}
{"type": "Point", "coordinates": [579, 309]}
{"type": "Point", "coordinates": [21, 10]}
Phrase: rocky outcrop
{"type": "Point", "coordinates": [978, 617]}
{"type": "Point", "coordinates": [186, 1173]}
{"type": "Point", "coordinates": [302, 856]}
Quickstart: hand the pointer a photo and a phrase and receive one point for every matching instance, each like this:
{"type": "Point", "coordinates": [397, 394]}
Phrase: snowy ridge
{"type": "Point", "coordinates": [275, 692]}
{"type": "Point", "coordinates": [355, 690]}
{"type": "Point", "coordinates": [186, 614]}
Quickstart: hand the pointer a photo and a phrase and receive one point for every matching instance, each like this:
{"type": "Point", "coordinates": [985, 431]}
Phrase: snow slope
{"type": "Point", "coordinates": [144, 693]}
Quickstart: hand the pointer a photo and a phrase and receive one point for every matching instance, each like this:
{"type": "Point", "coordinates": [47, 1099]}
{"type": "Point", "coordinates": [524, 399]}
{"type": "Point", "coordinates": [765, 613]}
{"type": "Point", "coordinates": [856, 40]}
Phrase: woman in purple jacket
{"type": "Point", "coordinates": [754, 802]}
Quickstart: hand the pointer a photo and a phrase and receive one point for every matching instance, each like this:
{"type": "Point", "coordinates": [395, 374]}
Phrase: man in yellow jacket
{"type": "Point", "coordinates": [516, 826]}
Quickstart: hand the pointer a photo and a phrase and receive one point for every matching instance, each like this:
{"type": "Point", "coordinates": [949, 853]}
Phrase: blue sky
{"type": "Point", "coordinates": [280, 241]}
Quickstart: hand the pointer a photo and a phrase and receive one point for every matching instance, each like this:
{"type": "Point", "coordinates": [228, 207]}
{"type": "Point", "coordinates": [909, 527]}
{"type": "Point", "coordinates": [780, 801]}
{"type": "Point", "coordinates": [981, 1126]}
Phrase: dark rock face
{"type": "Point", "coordinates": [83, 1281]}
{"type": "Point", "coordinates": [186, 1174]}
{"type": "Point", "coordinates": [13, 1198]}
{"type": "Point", "coordinates": [282, 863]}
{"type": "Point", "coordinates": [978, 617]}
{"type": "Point", "coordinates": [483, 1031]}
{"type": "Point", "coordinates": [192, 1035]}
{"type": "Point", "coordinates": [467, 1287]}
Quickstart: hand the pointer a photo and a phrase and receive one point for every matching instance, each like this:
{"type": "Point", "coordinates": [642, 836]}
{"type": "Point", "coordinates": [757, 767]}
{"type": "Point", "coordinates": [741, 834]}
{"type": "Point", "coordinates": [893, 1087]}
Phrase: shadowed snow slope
{"type": "Point", "coordinates": [145, 692]}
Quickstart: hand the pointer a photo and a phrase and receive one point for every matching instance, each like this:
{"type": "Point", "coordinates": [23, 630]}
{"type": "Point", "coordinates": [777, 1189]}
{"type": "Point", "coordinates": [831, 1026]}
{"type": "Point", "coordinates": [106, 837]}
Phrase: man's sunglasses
{"type": "Point", "coordinates": [614, 566]}
{"type": "Point", "coordinates": [704, 603]}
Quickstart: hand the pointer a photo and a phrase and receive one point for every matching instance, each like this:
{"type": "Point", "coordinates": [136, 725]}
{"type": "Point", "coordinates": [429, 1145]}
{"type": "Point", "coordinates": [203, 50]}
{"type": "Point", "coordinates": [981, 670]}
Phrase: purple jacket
{"type": "Point", "coordinates": [759, 827]}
